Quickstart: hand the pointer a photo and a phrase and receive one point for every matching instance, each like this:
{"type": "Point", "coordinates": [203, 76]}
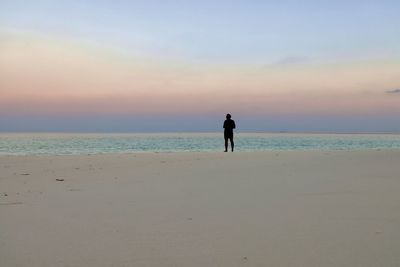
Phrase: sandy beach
{"type": "Point", "coordinates": [294, 208]}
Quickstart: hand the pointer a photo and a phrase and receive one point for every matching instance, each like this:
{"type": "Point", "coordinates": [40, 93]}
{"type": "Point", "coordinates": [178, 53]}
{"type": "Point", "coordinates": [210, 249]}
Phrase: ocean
{"type": "Point", "coordinates": [85, 143]}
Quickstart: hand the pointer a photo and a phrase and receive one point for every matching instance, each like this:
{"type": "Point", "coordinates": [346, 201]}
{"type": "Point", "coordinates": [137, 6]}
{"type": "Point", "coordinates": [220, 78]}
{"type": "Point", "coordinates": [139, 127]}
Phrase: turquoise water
{"type": "Point", "coordinates": [60, 143]}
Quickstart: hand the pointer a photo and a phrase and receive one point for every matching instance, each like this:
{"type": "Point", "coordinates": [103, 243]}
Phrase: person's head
{"type": "Point", "coordinates": [228, 116]}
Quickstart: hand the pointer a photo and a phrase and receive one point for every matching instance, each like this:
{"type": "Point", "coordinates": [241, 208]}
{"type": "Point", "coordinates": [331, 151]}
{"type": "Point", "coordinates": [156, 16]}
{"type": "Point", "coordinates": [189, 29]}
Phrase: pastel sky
{"type": "Point", "coordinates": [182, 65]}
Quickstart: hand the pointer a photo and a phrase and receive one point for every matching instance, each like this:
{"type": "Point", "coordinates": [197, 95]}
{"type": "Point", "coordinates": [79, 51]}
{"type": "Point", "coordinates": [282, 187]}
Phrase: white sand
{"type": "Point", "coordinates": [201, 209]}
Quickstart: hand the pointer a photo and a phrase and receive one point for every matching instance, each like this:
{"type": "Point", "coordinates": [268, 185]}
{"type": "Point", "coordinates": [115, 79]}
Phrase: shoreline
{"type": "Point", "coordinates": [208, 152]}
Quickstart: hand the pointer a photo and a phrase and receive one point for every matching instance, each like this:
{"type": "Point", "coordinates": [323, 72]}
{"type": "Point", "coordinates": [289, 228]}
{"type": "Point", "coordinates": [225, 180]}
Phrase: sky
{"type": "Point", "coordinates": [137, 66]}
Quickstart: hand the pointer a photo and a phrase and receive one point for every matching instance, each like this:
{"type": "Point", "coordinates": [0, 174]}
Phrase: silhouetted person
{"type": "Point", "coordinates": [229, 125]}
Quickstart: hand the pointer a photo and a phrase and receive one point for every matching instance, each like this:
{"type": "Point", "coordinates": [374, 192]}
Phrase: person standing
{"type": "Point", "coordinates": [229, 125]}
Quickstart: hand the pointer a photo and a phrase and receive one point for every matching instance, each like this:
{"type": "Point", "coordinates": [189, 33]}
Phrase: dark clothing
{"type": "Point", "coordinates": [228, 135]}
{"type": "Point", "coordinates": [229, 125]}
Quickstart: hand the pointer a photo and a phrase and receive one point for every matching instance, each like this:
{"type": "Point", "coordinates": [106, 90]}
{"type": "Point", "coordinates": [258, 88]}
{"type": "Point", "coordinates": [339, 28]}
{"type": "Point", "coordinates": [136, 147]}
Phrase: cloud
{"type": "Point", "coordinates": [394, 91]}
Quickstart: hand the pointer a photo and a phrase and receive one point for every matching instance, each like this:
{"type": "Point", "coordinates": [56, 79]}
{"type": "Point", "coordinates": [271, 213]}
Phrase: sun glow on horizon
{"type": "Point", "coordinates": [59, 77]}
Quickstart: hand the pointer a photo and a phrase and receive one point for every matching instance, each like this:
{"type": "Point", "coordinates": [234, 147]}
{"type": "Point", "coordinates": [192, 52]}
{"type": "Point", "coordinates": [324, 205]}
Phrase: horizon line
{"type": "Point", "coordinates": [194, 132]}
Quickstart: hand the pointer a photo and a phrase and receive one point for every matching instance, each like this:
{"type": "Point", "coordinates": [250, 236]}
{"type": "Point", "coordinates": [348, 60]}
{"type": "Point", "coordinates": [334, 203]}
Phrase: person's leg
{"type": "Point", "coordinates": [232, 144]}
{"type": "Point", "coordinates": [226, 144]}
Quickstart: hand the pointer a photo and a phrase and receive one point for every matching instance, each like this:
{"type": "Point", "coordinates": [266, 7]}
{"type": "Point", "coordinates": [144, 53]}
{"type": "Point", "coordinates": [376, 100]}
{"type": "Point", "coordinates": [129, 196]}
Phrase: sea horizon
{"type": "Point", "coordinates": [204, 132]}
